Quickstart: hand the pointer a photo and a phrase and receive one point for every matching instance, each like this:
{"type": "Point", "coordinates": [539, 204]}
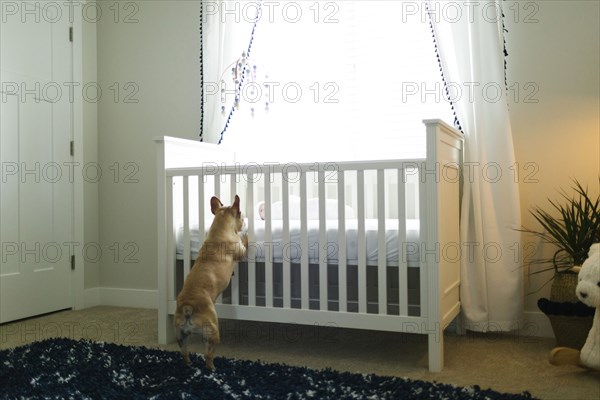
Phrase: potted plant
{"type": "Point", "coordinates": [571, 229]}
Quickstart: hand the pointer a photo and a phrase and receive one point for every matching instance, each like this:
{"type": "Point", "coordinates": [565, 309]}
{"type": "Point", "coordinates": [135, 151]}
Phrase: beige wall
{"type": "Point", "coordinates": [559, 135]}
{"type": "Point", "coordinates": [154, 61]}
{"type": "Point", "coordinates": [159, 55]}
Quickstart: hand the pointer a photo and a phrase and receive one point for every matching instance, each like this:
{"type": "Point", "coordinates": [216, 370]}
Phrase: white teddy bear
{"type": "Point", "coordinates": [588, 291]}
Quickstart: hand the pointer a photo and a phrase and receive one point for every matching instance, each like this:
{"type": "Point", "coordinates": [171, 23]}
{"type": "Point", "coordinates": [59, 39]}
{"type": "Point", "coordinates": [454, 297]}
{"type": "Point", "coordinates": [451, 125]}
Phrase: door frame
{"type": "Point", "coordinates": [77, 275]}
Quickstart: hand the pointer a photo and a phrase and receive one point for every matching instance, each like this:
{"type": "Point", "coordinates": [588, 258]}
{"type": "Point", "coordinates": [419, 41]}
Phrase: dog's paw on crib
{"type": "Point", "coordinates": [244, 237]}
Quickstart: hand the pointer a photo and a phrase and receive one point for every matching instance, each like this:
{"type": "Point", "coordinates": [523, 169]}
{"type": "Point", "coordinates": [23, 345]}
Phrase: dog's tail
{"type": "Point", "coordinates": [187, 311]}
{"type": "Point", "coordinates": [183, 321]}
{"type": "Point", "coordinates": [183, 317]}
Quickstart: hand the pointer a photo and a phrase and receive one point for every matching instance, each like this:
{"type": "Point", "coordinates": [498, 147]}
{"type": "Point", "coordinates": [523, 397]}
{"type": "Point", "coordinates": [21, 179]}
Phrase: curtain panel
{"type": "Point", "coordinates": [226, 34]}
{"type": "Point", "coordinates": [470, 44]}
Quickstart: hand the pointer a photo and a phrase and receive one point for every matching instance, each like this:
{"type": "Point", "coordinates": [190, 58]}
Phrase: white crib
{"type": "Point", "coordinates": [394, 268]}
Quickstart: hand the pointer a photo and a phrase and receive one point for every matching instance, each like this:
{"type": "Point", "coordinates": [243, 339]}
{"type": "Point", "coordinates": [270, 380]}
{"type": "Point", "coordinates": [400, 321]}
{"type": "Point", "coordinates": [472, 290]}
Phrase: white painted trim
{"type": "Point", "coordinates": [534, 324]}
{"type": "Point", "coordinates": [77, 276]}
{"type": "Point", "coordinates": [121, 297]}
{"type": "Point", "coordinates": [537, 324]}
{"type": "Point", "coordinates": [91, 297]}
{"type": "Point", "coordinates": [138, 298]}
{"type": "Point", "coordinates": [164, 333]}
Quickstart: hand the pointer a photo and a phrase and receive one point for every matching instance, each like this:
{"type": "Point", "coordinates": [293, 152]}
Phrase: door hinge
{"type": "Point", "coordinates": [72, 148]}
{"type": "Point", "coordinates": [70, 34]}
{"type": "Point", "coordinates": [73, 262]}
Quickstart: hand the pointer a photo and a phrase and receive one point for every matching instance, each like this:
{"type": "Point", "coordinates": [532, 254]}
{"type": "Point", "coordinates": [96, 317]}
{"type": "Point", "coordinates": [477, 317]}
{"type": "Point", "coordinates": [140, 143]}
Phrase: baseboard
{"type": "Point", "coordinates": [121, 297]}
{"type": "Point", "coordinates": [536, 323]}
{"type": "Point", "coordinates": [91, 297]}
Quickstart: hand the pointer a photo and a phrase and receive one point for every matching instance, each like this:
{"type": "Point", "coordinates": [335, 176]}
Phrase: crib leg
{"type": "Point", "coordinates": [460, 324]}
{"type": "Point", "coordinates": [436, 351]}
{"type": "Point", "coordinates": [165, 328]}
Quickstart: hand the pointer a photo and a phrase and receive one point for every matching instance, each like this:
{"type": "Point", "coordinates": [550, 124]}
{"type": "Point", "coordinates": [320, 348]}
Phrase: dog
{"type": "Point", "coordinates": [208, 278]}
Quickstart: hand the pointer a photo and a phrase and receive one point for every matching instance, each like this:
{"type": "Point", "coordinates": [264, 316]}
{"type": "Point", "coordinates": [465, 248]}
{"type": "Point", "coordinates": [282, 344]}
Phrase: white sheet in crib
{"type": "Point", "coordinates": [292, 250]}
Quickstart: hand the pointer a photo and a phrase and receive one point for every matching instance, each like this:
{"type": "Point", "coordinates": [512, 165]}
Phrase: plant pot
{"type": "Point", "coordinates": [564, 286]}
{"type": "Point", "coordinates": [570, 331]}
{"type": "Point", "coordinates": [571, 322]}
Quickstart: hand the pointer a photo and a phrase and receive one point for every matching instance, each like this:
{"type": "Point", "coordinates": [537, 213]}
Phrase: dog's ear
{"type": "Point", "coordinates": [236, 203]}
{"type": "Point", "coordinates": [215, 204]}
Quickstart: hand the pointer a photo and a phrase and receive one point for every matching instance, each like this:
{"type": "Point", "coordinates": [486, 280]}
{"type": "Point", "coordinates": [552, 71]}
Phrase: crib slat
{"type": "Point", "coordinates": [423, 277]}
{"type": "Point", "coordinates": [171, 240]}
{"type": "Point", "coordinates": [232, 187]}
{"type": "Point", "coordinates": [323, 289]}
{"type": "Point", "coordinates": [268, 240]}
{"type": "Point", "coordinates": [402, 257]}
{"type": "Point", "coordinates": [201, 209]}
{"type": "Point", "coordinates": [287, 303]}
{"type": "Point", "coordinates": [218, 186]}
{"type": "Point", "coordinates": [217, 183]}
{"type": "Point", "coordinates": [381, 244]}
{"type": "Point", "coordinates": [186, 226]}
{"type": "Point", "coordinates": [303, 244]}
{"type": "Point", "coordinates": [362, 243]}
{"type": "Point", "coordinates": [235, 292]}
{"type": "Point", "coordinates": [342, 282]}
{"type": "Point", "coordinates": [251, 239]}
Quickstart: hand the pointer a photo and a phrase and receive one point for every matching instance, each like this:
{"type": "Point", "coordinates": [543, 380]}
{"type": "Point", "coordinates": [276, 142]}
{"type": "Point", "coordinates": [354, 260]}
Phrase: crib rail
{"type": "Point", "coordinates": [345, 183]}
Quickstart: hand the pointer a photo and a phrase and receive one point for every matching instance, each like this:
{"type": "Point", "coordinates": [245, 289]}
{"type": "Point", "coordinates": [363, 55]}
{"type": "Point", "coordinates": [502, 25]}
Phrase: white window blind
{"type": "Point", "coordinates": [345, 80]}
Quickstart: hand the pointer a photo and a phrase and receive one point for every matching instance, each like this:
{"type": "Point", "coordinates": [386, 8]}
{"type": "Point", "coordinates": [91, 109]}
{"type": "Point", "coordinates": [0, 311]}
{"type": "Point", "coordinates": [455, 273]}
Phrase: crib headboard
{"type": "Point", "coordinates": [441, 254]}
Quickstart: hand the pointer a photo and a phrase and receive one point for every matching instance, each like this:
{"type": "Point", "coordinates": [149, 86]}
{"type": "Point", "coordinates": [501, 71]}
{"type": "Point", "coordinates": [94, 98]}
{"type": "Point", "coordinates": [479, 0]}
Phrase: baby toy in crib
{"type": "Point", "coordinates": [312, 208]}
{"type": "Point", "coordinates": [588, 291]}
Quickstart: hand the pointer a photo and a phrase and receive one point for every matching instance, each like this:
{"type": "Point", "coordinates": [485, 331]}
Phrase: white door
{"type": "Point", "coordinates": [36, 180]}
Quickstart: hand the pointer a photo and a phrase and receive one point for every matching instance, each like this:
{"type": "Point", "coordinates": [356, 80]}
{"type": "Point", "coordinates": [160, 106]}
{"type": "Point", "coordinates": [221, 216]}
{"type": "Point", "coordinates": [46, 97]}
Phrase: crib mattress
{"type": "Point", "coordinates": [278, 250]}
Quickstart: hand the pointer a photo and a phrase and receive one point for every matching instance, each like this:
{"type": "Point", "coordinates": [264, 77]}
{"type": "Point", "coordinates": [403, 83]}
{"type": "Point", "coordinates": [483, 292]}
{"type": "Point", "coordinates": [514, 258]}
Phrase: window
{"type": "Point", "coordinates": [344, 80]}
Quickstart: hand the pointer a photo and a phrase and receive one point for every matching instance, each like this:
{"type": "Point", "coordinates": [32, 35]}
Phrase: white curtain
{"type": "Point", "coordinates": [471, 49]}
{"type": "Point", "coordinates": [226, 34]}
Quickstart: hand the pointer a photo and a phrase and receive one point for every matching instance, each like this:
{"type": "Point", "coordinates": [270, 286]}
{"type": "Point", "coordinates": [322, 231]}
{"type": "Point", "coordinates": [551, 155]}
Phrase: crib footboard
{"type": "Point", "coordinates": [368, 245]}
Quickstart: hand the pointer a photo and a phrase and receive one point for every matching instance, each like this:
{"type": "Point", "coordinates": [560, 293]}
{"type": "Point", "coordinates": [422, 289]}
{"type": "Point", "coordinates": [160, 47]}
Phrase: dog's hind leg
{"type": "Point", "coordinates": [211, 336]}
{"type": "Point", "coordinates": [212, 340]}
{"type": "Point", "coordinates": [183, 329]}
{"type": "Point", "coordinates": [182, 340]}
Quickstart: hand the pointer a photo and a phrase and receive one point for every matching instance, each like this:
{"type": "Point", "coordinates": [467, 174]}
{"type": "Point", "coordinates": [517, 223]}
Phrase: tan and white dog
{"type": "Point", "coordinates": [208, 278]}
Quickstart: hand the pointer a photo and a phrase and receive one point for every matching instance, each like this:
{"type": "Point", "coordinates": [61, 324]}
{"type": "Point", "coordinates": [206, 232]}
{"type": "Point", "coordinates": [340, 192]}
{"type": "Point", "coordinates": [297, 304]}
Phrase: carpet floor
{"type": "Point", "coordinates": [510, 363]}
{"type": "Point", "coordinates": [81, 369]}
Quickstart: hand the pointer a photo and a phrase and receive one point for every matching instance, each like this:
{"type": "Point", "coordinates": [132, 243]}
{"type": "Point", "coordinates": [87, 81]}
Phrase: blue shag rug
{"type": "Point", "coordinates": [81, 369]}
